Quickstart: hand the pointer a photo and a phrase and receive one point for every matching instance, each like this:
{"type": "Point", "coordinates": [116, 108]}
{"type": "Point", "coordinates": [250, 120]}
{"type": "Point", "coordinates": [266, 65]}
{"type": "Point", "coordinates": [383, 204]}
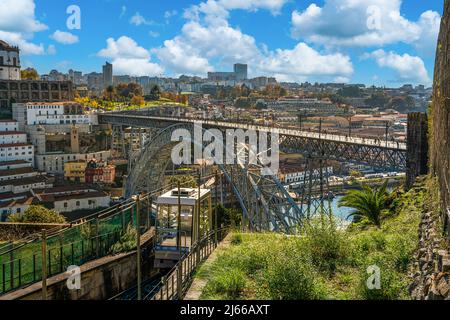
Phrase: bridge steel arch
{"type": "Point", "coordinates": [265, 203]}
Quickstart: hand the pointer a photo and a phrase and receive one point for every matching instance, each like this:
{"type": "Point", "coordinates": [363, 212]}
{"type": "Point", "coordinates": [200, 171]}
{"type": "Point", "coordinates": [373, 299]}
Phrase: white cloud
{"type": "Point", "coordinates": [170, 14]}
{"type": "Point", "coordinates": [180, 58]}
{"type": "Point", "coordinates": [429, 22]}
{"type": "Point", "coordinates": [153, 34]}
{"type": "Point", "coordinates": [64, 37]}
{"type": "Point", "coordinates": [362, 23]}
{"type": "Point", "coordinates": [408, 68]}
{"type": "Point", "coordinates": [51, 50]}
{"type": "Point", "coordinates": [123, 11]}
{"type": "Point", "coordinates": [18, 25]}
{"type": "Point", "coordinates": [304, 61]}
{"type": "Point", "coordinates": [138, 20]}
{"type": "Point", "coordinates": [124, 47]}
{"type": "Point", "coordinates": [129, 58]}
{"type": "Point", "coordinates": [221, 8]}
{"type": "Point", "coordinates": [208, 37]}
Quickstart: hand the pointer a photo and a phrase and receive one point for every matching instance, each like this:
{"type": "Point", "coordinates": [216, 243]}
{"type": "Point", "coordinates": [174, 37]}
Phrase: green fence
{"type": "Point", "coordinates": [85, 240]}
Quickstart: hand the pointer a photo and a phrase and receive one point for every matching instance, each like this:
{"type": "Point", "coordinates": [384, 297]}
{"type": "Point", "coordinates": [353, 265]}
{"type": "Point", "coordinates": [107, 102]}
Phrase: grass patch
{"type": "Point", "coordinates": [324, 261]}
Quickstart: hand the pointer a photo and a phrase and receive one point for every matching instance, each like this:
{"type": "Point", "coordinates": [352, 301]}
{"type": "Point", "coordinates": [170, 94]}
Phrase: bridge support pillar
{"type": "Point", "coordinates": [417, 147]}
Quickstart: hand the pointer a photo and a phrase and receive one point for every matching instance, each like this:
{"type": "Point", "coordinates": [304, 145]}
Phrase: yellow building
{"type": "Point", "coordinates": [74, 171]}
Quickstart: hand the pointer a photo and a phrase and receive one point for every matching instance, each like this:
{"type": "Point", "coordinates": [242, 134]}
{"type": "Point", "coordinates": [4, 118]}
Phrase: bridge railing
{"type": "Point", "coordinates": [84, 240]}
{"type": "Point", "coordinates": [374, 142]}
{"type": "Point", "coordinates": [176, 283]}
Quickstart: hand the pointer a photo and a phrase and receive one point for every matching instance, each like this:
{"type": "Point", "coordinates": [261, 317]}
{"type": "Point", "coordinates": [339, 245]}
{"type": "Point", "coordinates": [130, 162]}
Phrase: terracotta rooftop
{"type": "Point", "coordinates": [25, 181]}
{"type": "Point", "coordinates": [11, 133]}
{"type": "Point", "coordinates": [80, 195]}
{"type": "Point", "coordinates": [13, 162]}
{"type": "Point", "coordinates": [11, 145]}
{"type": "Point", "coordinates": [12, 172]}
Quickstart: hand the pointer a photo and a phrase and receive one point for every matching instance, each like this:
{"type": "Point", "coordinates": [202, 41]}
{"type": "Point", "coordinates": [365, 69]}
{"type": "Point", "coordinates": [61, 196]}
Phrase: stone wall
{"type": "Point", "coordinates": [417, 152]}
{"type": "Point", "coordinates": [440, 135]}
{"type": "Point", "coordinates": [431, 269]}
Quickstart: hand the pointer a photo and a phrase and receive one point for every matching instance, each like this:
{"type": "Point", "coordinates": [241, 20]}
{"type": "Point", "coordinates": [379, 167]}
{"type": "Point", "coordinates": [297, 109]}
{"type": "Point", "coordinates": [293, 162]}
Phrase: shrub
{"type": "Point", "coordinates": [392, 284]}
{"type": "Point", "coordinates": [326, 244]}
{"type": "Point", "coordinates": [229, 284]}
{"type": "Point", "coordinates": [236, 239]}
{"type": "Point", "coordinates": [291, 276]}
{"type": "Point", "coordinates": [38, 214]}
{"type": "Point", "coordinates": [127, 241]}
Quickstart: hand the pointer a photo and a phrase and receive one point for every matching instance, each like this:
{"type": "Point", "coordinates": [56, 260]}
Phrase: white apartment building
{"type": "Point", "coordinates": [16, 164]}
{"type": "Point", "coordinates": [20, 173]}
{"type": "Point", "coordinates": [9, 137]}
{"type": "Point", "coordinates": [47, 113]}
{"type": "Point", "coordinates": [17, 151]}
{"type": "Point", "coordinates": [23, 185]}
{"type": "Point", "coordinates": [9, 125]}
{"type": "Point", "coordinates": [82, 201]}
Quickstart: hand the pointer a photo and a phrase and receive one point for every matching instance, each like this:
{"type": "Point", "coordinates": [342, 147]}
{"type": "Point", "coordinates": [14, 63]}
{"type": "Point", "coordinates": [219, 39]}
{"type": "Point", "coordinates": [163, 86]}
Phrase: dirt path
{"type": "Point", "coordinates": [197, 286]}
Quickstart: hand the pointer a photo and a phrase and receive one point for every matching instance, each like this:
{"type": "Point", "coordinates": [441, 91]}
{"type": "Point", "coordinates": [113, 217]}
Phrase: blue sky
{"type": "Point", "coordinates": [381, 42]}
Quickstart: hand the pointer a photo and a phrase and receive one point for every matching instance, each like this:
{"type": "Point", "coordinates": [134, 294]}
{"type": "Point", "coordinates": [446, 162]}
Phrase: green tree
{"type": "Point", "coordinates": [350, 92]}
{"type": "Point", "coordinates": [369, 203]}
{"type": "Point", "coordinates": [110, 92]}
{"type": "Point", "coordinates": [155, 92]}
{"type": "Point", "coordinates": [379, 100]}
{"type": "Point", "coordinates": [38, 214]}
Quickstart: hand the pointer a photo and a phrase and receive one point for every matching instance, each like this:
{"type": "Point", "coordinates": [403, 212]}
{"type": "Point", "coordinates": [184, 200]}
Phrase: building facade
{"type": "Point", "coordinates": [54, 162]}
{"type": "Point", "coordinates": [56, 113]}
{"type": "Point", "coordinates": [22, 91]}
{"type": "Point", "coordinates": [75, 171]}
{"type": "Point", "coordinates": [241, 71]}
{"type": "Point", "coordinates": [107, 75]}
{"type": "Point", "coordinates": [9, 62]}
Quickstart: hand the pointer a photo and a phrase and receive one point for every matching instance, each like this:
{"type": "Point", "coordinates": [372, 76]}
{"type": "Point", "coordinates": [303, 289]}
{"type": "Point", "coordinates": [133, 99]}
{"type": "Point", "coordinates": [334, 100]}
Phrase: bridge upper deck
{"type": "Point", "coordinates": [380, 143]}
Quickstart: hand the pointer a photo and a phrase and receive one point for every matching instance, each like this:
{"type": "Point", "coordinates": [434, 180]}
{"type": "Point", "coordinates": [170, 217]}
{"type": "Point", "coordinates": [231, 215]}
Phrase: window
{"type": "Point", "coordinates": [78, 203]}
{"type": "Point", "coordinates": [65, 205]}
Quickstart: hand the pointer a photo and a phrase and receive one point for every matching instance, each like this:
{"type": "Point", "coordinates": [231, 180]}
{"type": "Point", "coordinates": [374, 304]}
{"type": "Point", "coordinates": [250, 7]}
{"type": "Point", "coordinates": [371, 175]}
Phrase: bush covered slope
{"type": "Point", "coordinates": [325, 261]}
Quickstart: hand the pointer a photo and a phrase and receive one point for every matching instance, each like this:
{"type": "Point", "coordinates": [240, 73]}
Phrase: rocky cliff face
{"type": "Point", "coordinates": [440, 135]}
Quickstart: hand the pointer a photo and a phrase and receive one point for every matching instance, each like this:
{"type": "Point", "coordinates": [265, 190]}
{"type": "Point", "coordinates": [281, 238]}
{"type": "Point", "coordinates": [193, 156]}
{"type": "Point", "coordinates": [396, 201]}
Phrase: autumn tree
{"type": "Point", "coordinates": [29, 74]}
{"type": "Point", "coordinates": [138, 100]}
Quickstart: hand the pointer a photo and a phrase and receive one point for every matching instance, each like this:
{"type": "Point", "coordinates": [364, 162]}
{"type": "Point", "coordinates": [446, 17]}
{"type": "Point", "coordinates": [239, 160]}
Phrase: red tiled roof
{"type": "Point", "coordinates": [25, 181]}
{"type": "Point", "coordinates": [12, 172]}
{"type": "Point", "coordinates": [11, 145]}
{"type": "Point", "coordinates": [27, 201]}
{"type": "Point", "coordinates": [11, 133]}
{"type": "Point", "coordinates": [13, 162]}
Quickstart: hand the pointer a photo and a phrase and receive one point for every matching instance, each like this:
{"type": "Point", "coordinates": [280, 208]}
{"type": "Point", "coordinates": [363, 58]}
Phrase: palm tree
{"type": "Point", "coordinates": [368, 202]}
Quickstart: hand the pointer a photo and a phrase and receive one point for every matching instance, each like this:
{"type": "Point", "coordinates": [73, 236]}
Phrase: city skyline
{"type": "Point", "coordinates": [276, 38]}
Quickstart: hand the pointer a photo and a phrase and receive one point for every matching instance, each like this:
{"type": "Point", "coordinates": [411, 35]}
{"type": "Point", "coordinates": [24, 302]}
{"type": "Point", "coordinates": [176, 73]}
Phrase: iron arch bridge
{"type": "Point", "coordinates": [381, 154]}
{"type": "Point", "coordinates": [265, 202]}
